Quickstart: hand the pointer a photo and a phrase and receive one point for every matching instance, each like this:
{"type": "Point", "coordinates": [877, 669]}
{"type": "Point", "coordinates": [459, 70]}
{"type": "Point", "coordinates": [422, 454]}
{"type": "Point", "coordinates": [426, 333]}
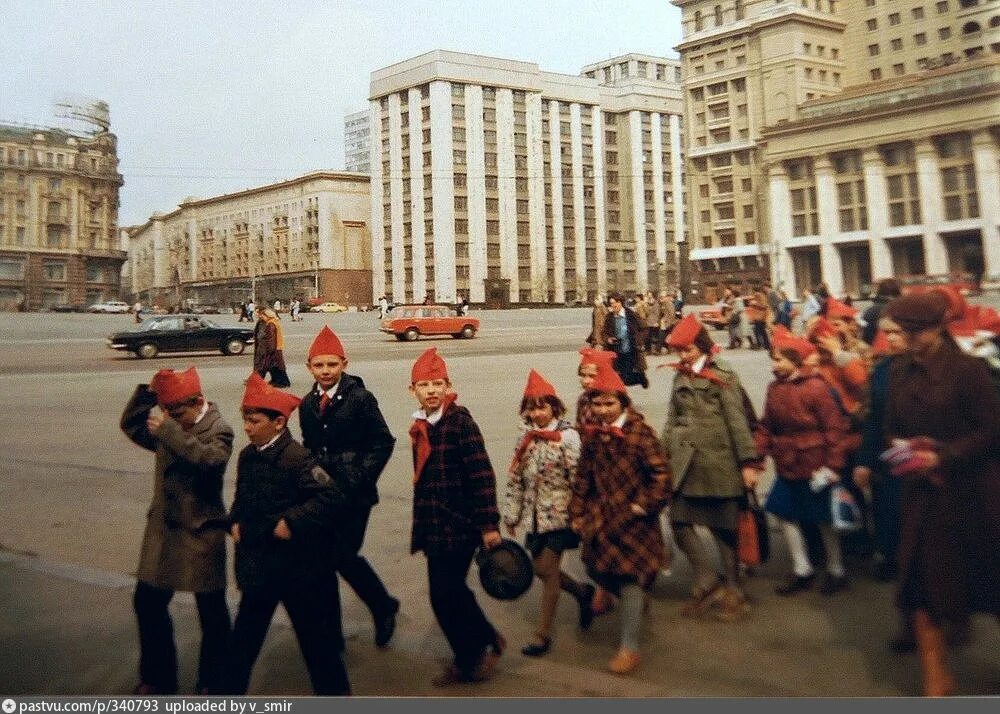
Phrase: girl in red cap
{"type": "Point", "coordinates": [622, 484]}
{"type": "Point", "coordinates": [712, 455]}
{"type": "Point", "coordinates": [539, 487]}
{"type": "Point", "coordinates": [589, 361]}
{"type": "Point", "coordinates": [802, 429]}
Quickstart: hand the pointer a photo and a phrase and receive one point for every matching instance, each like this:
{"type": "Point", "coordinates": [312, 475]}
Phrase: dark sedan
{"type": "Point", "coordinates": [180, 333]}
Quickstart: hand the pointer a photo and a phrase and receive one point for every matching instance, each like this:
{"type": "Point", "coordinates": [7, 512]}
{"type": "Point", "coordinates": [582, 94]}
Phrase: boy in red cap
{"type": "Point", "coordinates": [803, 430]}
{"type": "Point", "coordinates": [539, 486]}
{"type": "Point", "coordinates": [184, 546]}
{"type": "Point", "coordinates": [622, 484]}
{"type": "Point", "coordinates": [343, 427]}
{"type": "Point", "coordinates": [282, 522]}
{"type": "Point", "coordinates": [454, 512]}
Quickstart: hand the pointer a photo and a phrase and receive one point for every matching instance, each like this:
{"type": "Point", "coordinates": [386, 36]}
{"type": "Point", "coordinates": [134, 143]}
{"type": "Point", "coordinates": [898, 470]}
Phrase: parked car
{"type": "Point", "coordinates": [67, 307]}
{"type": "Point", "coordinates": [328, 307]}
{"type": "Point", "coordinates": [180, 333]}
{"type": "Point", "coordinates": [110, 306]}
{"type": "Point", "coordinates": [965, 283]}
{"type": "Point", "coordinates": [408, 322]}
{"type": "Point", "coordinates": [205, 310]}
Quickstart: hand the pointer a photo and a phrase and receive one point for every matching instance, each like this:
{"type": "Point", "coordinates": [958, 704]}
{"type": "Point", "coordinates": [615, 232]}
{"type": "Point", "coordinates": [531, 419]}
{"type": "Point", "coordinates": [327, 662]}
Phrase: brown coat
{"type": "Point", "coordinates": [949, 552]}
{"type": "Point", "coordinates": [184, 546]}
{"type": "Point", "coordinates": [615, 472]}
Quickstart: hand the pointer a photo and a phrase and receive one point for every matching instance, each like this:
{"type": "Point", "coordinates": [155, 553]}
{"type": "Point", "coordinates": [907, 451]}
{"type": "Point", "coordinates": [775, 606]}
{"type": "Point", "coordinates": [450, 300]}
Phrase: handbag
{"type": "Point", "coordinates": [844, 511]}
{"type": "Point", "coordinates": [753, 538]}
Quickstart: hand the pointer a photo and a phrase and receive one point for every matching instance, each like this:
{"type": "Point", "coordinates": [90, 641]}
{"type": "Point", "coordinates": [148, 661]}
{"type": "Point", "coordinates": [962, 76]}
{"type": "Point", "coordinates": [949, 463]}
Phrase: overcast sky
{"type": "Point", "coordinates": [213, 97]}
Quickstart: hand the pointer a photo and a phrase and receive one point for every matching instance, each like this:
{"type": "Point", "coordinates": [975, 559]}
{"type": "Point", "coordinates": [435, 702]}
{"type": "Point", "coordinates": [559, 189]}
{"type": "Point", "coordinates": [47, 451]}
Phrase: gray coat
{"type": "Point", "coordinates": [184, 546]}
{"type": "Point", "coordinates": [707, 436]}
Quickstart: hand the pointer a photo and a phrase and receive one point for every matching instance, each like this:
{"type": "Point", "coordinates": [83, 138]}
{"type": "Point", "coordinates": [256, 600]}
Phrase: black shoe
{"type": "Point", "coordinates": [795, 584]}
{"type": "Point", "coordinates": [586, 611]}
{"type": "Point", "coordinates": [833, 584]}
{"type": "Point", "coordinates": [385, 626]}
{"type": "Point", "coordinates": [537, 649]}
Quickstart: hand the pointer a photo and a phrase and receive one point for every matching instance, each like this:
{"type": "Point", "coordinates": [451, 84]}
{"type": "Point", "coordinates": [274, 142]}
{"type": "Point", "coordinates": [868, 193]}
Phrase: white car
{"type": "Point", "coordinates": [111, 306]}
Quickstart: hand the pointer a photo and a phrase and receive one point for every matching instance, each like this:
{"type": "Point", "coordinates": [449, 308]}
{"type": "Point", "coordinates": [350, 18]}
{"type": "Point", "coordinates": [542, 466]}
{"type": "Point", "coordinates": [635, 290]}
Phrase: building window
{"type": "Point", "coordinates": [902, 190]}
{"type": "Point", "coordinates": [53, 270]}
{"type": "Point", "coordinates": [958, 176]}
{"type": "Point", "coordinates": [944, 33]}
{"type": "Point", "coordinates": [920, 39]}
{"type": "Point", "coordinates": [942, 7]}
{"type": "Point", "coordinates": [894, 18]}
{"type": "Point", "coordinates": [898, 69]}
{"type": "Point", "coordinates": [872, 25]}
{"type": "Point", "coordinates": [897, 44]}
{"type": "Point", "coordinates": [95, 273]}
{"type": "Point", "coordinates": [872, 50]}
{"type": "Point", "coordinates": [11, 269]}
{"type": "Point", "coordinates": [805, 216]}
{"type": "Point", "coordinates": [875, 74]}
{"type": "Point", "coordinates": [917, 13]}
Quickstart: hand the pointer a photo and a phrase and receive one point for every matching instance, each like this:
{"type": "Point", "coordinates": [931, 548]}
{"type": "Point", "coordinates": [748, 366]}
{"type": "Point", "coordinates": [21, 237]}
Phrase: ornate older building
{"type": "Point", "coordinates": [839, 141]}
{"type": "Point", "coordinates": [499, 182]}
{"type": "Point", "coordinates": [306, 238]}
{"type": "Point", "coordinates": [59, 241]}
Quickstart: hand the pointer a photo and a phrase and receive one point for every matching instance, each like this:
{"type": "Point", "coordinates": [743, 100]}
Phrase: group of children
{"type": "Point", "coordinates": [599, 484]}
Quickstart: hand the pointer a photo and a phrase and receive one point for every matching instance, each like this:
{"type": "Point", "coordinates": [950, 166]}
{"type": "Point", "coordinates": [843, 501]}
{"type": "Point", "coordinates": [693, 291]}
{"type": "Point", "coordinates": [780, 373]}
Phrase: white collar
{"type": "Point", "coordinates": [620, 421]}
{"type": "Point", "coordinates": [204, 411]}
{"type": "Point", "coordinates": [551, 426]}
{"type": "Point", "coordinates": [699, 364]}
{"type": "Point", "coordinates": [332, 391]}
{"type": "Point", "coordinates": [432, 418]}
{"type": "Point", "coordinates": [271, 442]}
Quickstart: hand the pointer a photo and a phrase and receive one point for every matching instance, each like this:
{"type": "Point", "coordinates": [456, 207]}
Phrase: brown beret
{"type": "Point", "coordinates": [919, 311]}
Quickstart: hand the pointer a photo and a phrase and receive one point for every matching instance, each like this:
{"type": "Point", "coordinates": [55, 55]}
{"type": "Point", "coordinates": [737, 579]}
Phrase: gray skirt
{"type": "Point", "coordinates": [707, 511]}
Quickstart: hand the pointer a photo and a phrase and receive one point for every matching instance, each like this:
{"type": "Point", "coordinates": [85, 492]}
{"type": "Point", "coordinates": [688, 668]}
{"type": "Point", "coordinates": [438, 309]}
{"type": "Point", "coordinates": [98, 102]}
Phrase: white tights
{"type": "Point", "coordinates": [800, 554]}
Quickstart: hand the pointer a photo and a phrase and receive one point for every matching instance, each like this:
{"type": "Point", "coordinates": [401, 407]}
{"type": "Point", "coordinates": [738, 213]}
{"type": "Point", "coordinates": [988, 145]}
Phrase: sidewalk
{"type": "Point", "coordinates": [70, 630]}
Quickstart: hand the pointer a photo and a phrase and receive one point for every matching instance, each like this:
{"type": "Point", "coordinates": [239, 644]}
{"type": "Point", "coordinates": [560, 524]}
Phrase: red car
{"type": "Point", "coordinates": [408, 322]}
{"type": "Point", "coordinates": [965, 283]}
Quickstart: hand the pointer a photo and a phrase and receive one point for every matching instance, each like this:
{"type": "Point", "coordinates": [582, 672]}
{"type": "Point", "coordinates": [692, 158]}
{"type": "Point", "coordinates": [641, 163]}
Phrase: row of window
{"type": "Point", "coordinates": [53, 270]}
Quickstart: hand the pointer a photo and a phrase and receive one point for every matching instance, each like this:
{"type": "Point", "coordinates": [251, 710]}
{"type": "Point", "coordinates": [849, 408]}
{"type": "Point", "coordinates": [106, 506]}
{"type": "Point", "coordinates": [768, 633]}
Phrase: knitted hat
{"type": "Point", "coordinates": [538, 387]}
{"type": "Point", "coordinates": [782, 341]}
{"type": "Point", "coordinates": [326, 343]}
{"type": "Point", "coordinates": [172, 387]}
{"type": "Point", "coordinates": [261, 395]}
{"type": "Point", "coordinates": [918, 311]}
{"type": "Point", "coordinates": [429, 366]}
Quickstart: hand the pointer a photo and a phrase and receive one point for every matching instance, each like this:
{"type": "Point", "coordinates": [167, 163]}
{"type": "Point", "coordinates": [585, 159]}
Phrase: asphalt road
{"type": "Point", "coordinates": [75, 492]}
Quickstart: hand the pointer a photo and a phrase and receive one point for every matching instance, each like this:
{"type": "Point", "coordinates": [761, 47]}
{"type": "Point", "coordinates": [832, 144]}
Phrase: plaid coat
{"type": "Point", "coordinates": [454, 499]}
{"type": "Point", "coordinates": [615, 472]}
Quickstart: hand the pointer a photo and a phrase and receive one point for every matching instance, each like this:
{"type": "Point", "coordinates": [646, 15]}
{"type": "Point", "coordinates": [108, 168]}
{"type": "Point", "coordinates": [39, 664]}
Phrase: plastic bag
{"type": "Point", "coordinates": [844, 511]}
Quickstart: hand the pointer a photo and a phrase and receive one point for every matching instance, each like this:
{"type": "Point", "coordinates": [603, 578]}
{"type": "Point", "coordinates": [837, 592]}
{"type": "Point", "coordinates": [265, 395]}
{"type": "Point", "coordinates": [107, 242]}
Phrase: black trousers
{"type": "Point", "coordinates": [359, 574]}
{"type": "Point", "coordinates": [459, 615]}
{"type": "Point", "coordinates": [760, 335]}
{"type": "Point", "coordinates": [317, 628]}
{"type": "Point", "coordinates": [157, 651]}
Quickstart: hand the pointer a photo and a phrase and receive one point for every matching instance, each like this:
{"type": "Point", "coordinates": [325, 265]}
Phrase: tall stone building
{"type": "Point", "coordinates": [496, 181]}
{"type": "Point", "coordinates": [307, 237]}
{"type": "Point", "coordinates": [840, 142]}
{"type": "Point", "coordinates": [357, 142]}
{"type": "Point", "coordinates": [59, 241]}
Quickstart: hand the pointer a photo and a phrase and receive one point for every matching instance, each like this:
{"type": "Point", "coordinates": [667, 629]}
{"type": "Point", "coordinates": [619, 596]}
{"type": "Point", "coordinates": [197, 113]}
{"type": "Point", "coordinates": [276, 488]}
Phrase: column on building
{"type": "Point", "coordinates": [779, 202]}
{"type": "Point", "coordinates": [831, 265]}
{"type": "Point", "coordinates": [659, 206]}
{"type": "Point", "coordinates": [600, 228]}
{"type": "Point", "coordinates": [637, 165]}
{"type": "Point", "coordinates": [377, 230]}
{"type": "Point", "coordinates": [579, 221]}
{"type": "Point", "coordinates": [193, 250]}
{"type": "Point", "coordinates": [555, 166]}
{"type": "Point", "coordinates": [475, 164]}
{"type": "Point", "coordinates": [677, 179]}
{"type": "Point", "coordinates": [536, 197]}
{"type": "Point", "coordinates": [417, 193]}
{"type": "Point", "coordinates": [877, 210]}
{"type": "Point", "coordinates": [395, 158]}
{"type": "Point", "coordinates": [507, 190]}
{"type": "Point", "coordinates": [443, 191]}
{"type": "Point", "coordinates": [986, 160]}
{"type": "Point", "coordinates": [929, 183]}
{"type": "Point", "coordinates": [161, 256]}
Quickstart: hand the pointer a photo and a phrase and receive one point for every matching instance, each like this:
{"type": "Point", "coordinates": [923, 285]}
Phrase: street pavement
{"type": "Point", "coordinates": [75, 493]}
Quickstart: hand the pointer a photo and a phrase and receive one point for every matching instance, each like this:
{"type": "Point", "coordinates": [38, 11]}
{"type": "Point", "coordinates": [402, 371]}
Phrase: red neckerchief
{"type": "Point", "coordinates": [705, 373]}
{"type": "Point", "coordinates": [528, 439]}
{"type": "Point", "coordinates": [420, 436]}
{"type": "Point", "coordinates": [594, 429]}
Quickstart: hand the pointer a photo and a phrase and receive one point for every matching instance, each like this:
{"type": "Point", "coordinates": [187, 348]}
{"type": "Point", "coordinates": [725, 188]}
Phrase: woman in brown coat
{"type": "Point", "coordinates": [943, 417]}
{"type": "Point", "coordinates": [622, 484]}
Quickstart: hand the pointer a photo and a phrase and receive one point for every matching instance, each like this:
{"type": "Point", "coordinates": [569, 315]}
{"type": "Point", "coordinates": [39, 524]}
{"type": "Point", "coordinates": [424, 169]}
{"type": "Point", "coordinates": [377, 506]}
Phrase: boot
{"type": "Point", "coordinates": [732, 606]}
{"type": "Point", "coordinates": [938, 680]}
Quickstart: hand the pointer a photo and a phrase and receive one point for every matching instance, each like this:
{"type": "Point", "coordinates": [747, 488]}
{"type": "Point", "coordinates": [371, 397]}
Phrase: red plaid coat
{"type": "Point", "coordinates": [455, 500]}
{"type": "Point", "coordinates": [615, 472]}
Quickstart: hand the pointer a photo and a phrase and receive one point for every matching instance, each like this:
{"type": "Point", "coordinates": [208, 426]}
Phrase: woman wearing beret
{"type": "Point", "coordinates": [942, 422]}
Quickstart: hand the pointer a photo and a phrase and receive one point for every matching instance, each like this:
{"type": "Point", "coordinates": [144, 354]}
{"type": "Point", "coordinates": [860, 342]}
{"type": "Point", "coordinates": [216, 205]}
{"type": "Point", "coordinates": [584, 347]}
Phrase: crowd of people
{"type": "Point", "coordinates": [906, 425]}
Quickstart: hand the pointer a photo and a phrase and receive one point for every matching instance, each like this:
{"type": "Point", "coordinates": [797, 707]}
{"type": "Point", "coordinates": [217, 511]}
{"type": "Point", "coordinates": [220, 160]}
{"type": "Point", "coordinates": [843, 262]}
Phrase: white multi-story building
{"type": "Point", "coordinates": [496, 181]}
{"type": "Point", "coordinates": [357, 142]}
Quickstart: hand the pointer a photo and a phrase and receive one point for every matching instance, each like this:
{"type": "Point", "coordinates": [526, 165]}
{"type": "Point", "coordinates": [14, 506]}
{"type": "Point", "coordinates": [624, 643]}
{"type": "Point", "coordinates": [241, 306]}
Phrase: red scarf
{"type": "Point", "coordinates": [594, 429]}
{"type": "Point", "coordinates": [420, 436]}
{"type": "Point", "coordinates": [705, 373]}
{"type": "Point", "coordinates": [528, 439]}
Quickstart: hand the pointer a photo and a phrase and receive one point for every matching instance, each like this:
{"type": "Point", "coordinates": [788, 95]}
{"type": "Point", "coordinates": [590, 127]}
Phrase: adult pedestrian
{"type": "Point", "coordinates": [713, 459]}
{"type": "Point", "coordinates": [268, 348]}
{"type": "Point", "coordinates": [943, 420]}
{"type": "Point", "coordinates": [137, 310]}
{"type": "Point", "coordinates": [294, 308]}
{"type": "Point", "coordinates": [886, 291]}
{"type": "Point", "coordinates": [810, 306]}
{"type": "Point", "coordinates": [622, 332]}
{"type": "Point", "coordinates": [597, 318]}
{"type": "Point", "coordinates": [654, 342]}
{"type": "Point", "coordinates": [184, 544]}
{"type": "Point", "coordinates": [383, 307]}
